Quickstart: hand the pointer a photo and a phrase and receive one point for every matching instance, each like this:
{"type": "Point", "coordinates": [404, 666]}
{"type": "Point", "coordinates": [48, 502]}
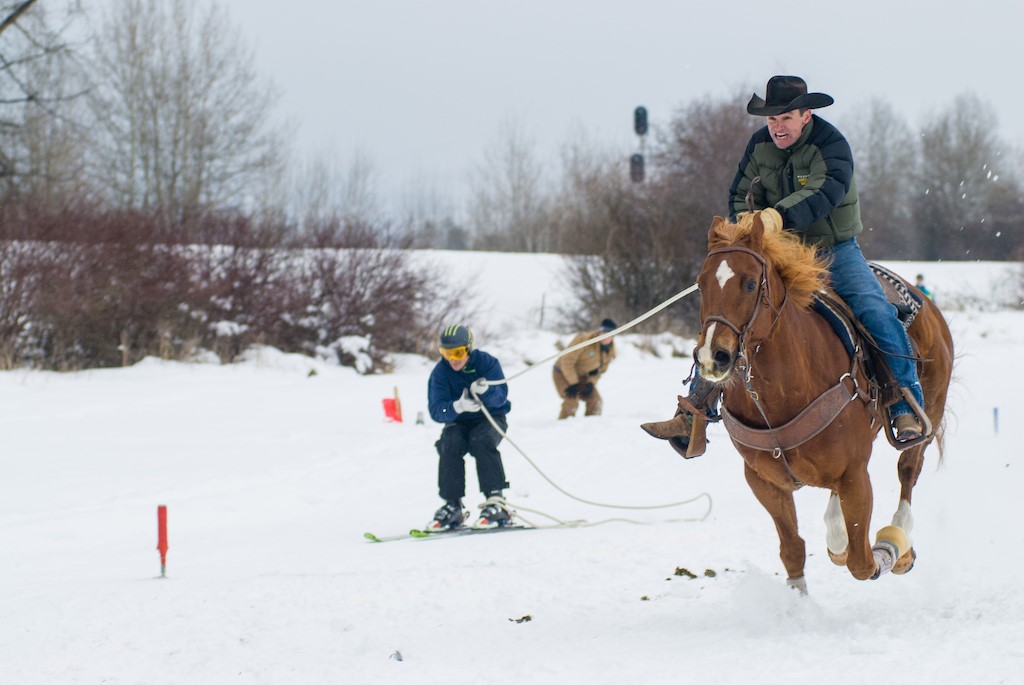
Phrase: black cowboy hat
{"type": "Point", "coordinates": [784, 94]}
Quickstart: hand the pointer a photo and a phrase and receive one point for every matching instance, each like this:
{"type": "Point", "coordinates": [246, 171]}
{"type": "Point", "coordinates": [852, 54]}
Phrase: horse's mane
{"type": "Point", "coordinates": [802, 271]}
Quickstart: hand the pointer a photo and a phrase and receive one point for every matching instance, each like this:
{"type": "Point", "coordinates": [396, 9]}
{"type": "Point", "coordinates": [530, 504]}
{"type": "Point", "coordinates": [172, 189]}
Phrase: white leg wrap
{"type": "Point", "coordinates": [904, 518]}
{"type": "Point", "coordinates": [798, 584]}
{"type": "Point", "coordinates": [885, 554]}
{"type": "Point", "coordinates": [836, 538]}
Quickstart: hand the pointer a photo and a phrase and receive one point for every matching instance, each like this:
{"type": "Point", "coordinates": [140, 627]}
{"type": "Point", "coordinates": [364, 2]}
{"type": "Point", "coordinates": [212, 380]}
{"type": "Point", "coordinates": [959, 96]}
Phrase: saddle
{"type": "Point", "coordinates": [885, 390]}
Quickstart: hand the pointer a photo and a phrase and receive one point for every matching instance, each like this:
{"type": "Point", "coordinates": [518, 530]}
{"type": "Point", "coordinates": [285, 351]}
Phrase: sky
{"type": "Point", "coordinates": [273, 468]}
{"type": "Point", "coordinates": [423, 89]}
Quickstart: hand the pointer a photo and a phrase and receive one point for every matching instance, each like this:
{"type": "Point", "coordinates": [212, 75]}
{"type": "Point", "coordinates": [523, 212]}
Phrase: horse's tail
{"type": "Point", "coordinates": [947, 413]}
{"type": "Point", "coordinates": [940, 439]}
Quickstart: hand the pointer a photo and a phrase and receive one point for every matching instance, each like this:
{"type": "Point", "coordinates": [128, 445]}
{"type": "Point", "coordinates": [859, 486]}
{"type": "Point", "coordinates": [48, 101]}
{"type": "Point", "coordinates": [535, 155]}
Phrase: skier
{"type": "Point", "coordinates": [458, 379]}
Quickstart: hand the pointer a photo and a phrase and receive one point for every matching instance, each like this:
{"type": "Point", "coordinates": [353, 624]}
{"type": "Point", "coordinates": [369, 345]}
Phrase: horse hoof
{"type": "Point", "coordinates": [891, 544]}
{"type": "Point", "coordinates": [839, 559]}
{"type": "Point", "coordinates": [905, 563]}
{"type": "Point", "coordinates": [895, 536]}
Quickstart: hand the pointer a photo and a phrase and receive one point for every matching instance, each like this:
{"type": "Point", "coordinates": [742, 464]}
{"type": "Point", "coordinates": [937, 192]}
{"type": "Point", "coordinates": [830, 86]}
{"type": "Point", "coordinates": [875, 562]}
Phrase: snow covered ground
{"type": "Point", "coordinates": [272, 470]}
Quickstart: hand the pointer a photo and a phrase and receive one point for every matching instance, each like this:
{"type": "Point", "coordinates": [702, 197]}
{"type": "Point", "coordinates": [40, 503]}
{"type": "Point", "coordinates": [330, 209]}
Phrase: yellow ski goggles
{"type": "Point", "coordinates": [454, 354]}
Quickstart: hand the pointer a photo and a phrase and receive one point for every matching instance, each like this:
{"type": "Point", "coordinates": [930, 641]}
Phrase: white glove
{"type": "Point", "coordinates": [479, 386]}
{"type": "Point", "coordinates": [771, 219]}
{"type": "Point", "coordinates": [465, 403]}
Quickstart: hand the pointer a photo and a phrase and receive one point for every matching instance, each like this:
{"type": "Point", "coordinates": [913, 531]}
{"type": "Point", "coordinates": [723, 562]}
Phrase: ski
{"type": "Point", "coordinates": [462, 530]}
{"type": "Point", "coordinates": [420, 534]}
{"type": "Point", "coordinates": [385, 538]}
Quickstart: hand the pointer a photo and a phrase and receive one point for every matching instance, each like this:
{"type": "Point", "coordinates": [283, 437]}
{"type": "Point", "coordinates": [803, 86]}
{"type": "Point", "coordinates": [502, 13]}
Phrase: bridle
{"type": "Point", "coordinates": [763, 300]}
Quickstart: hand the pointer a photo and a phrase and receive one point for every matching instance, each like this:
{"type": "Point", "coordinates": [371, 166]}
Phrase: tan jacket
{"type": "Point", "coordinates": [586, 363]}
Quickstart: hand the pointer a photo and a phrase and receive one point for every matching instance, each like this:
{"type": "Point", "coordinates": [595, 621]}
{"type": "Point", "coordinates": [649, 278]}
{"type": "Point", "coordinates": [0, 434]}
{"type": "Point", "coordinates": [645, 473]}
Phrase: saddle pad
{"type": "Point", "coordinates": [839, 322]}
{"type": "Point", "coordinates": [896, 291]}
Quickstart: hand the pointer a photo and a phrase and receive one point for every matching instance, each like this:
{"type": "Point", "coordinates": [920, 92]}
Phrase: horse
{"type": "Point", "coordinates": [798, 407]}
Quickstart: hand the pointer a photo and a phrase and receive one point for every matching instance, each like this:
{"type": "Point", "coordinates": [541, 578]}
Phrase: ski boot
{"type": "Point", "coordinates": [494, 513]}
{"type": "Point", "coordinates": [451, 515]}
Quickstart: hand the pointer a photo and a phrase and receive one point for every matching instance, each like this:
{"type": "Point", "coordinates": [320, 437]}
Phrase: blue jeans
{"type": "Point", "coordinates": [853, 280]}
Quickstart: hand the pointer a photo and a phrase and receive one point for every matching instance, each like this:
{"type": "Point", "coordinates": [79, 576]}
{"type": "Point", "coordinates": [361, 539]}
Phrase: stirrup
{"type": "Point", "coordinates": [924, 430]}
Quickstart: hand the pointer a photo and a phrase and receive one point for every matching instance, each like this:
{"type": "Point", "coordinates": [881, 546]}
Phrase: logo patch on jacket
{"type": "Point", "coordinates": [802, 179]}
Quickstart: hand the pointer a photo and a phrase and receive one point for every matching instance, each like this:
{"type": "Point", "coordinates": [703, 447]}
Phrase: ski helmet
{"type": "Point", "coordinates": [457, 336]}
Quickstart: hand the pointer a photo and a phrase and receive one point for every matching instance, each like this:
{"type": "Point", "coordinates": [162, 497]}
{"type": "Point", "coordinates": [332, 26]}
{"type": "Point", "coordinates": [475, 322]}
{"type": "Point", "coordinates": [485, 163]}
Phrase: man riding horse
{"type": "Point", "coordinates": [801, 167]}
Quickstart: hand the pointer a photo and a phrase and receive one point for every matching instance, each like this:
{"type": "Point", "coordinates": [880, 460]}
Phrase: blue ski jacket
{"type": "Point", "coordinates": [446, 385]}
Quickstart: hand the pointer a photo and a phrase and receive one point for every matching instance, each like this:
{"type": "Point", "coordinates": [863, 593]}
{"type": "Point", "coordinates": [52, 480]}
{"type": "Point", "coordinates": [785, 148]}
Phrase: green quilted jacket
{"type": "Point", "coordinates": [811, 183]}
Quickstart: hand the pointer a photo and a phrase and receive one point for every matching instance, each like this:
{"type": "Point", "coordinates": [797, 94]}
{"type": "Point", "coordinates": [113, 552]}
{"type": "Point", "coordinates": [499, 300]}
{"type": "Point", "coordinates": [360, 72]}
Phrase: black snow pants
{"type": "Point", "coordinates": [478, 439]}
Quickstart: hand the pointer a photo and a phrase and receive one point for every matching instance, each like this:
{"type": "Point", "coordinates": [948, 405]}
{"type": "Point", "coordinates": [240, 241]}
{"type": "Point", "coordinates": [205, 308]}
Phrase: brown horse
{"type": "Point", "coordinates": [784, 373]}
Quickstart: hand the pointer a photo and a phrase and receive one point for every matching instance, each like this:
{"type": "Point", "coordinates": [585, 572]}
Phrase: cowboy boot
{"type": "Point", "coordinates": [907, 428]}
{"type": "Point", "coordinates": [910, 429]}
{"type": "Point", "coordinates": [686, 431]}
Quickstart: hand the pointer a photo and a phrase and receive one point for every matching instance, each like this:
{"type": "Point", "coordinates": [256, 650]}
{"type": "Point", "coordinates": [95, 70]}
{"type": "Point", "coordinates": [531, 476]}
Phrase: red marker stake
{"type": "Point", "coordinates": [161, 540]}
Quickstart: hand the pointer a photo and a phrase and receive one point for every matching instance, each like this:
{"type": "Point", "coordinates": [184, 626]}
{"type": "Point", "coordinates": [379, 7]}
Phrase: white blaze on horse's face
{"type": "Point", "coordinates": [724, 273]}
{"type": "Point", "coordinates": [704, 357]}
{"type": "Point", "coordinates": [705, 354]}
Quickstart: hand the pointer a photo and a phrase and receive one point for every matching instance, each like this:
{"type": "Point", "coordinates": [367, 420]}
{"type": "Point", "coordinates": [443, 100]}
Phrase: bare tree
{"type": "Point", "coordinates": [699, 150]}
{"type": "Point", "coordinates": [581, 218]}
{"type": "Point", "coordinates": [323, 188]}
{"type": "Point", "coordinates": [15, 14]}
{"type": "Point", "coordinates": [428, 216]}
{"type": "Point", "coordinates": [962, 164]}
{"type": "Point", "coordinates": [885, 152]}
{"type": "Point", "coordinates": [1007, 215]}
{"type": "Point", "coordinates": [182, 117]}
{"type": "Point", "coordinates": [41, 146]}
{"type": "Point", "coordinates": [508, 208]}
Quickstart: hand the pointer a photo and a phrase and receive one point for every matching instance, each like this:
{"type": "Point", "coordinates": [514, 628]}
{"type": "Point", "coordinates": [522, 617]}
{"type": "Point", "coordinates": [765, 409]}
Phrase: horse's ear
{"type": "Point", "coordinates": [715, 224]}
{"type": "Point", "coordinates": [756, 235]}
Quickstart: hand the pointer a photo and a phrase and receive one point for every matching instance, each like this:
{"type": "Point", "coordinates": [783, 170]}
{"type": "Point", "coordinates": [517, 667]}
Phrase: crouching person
{"type": "Point", "coordinates": [576, 374]}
